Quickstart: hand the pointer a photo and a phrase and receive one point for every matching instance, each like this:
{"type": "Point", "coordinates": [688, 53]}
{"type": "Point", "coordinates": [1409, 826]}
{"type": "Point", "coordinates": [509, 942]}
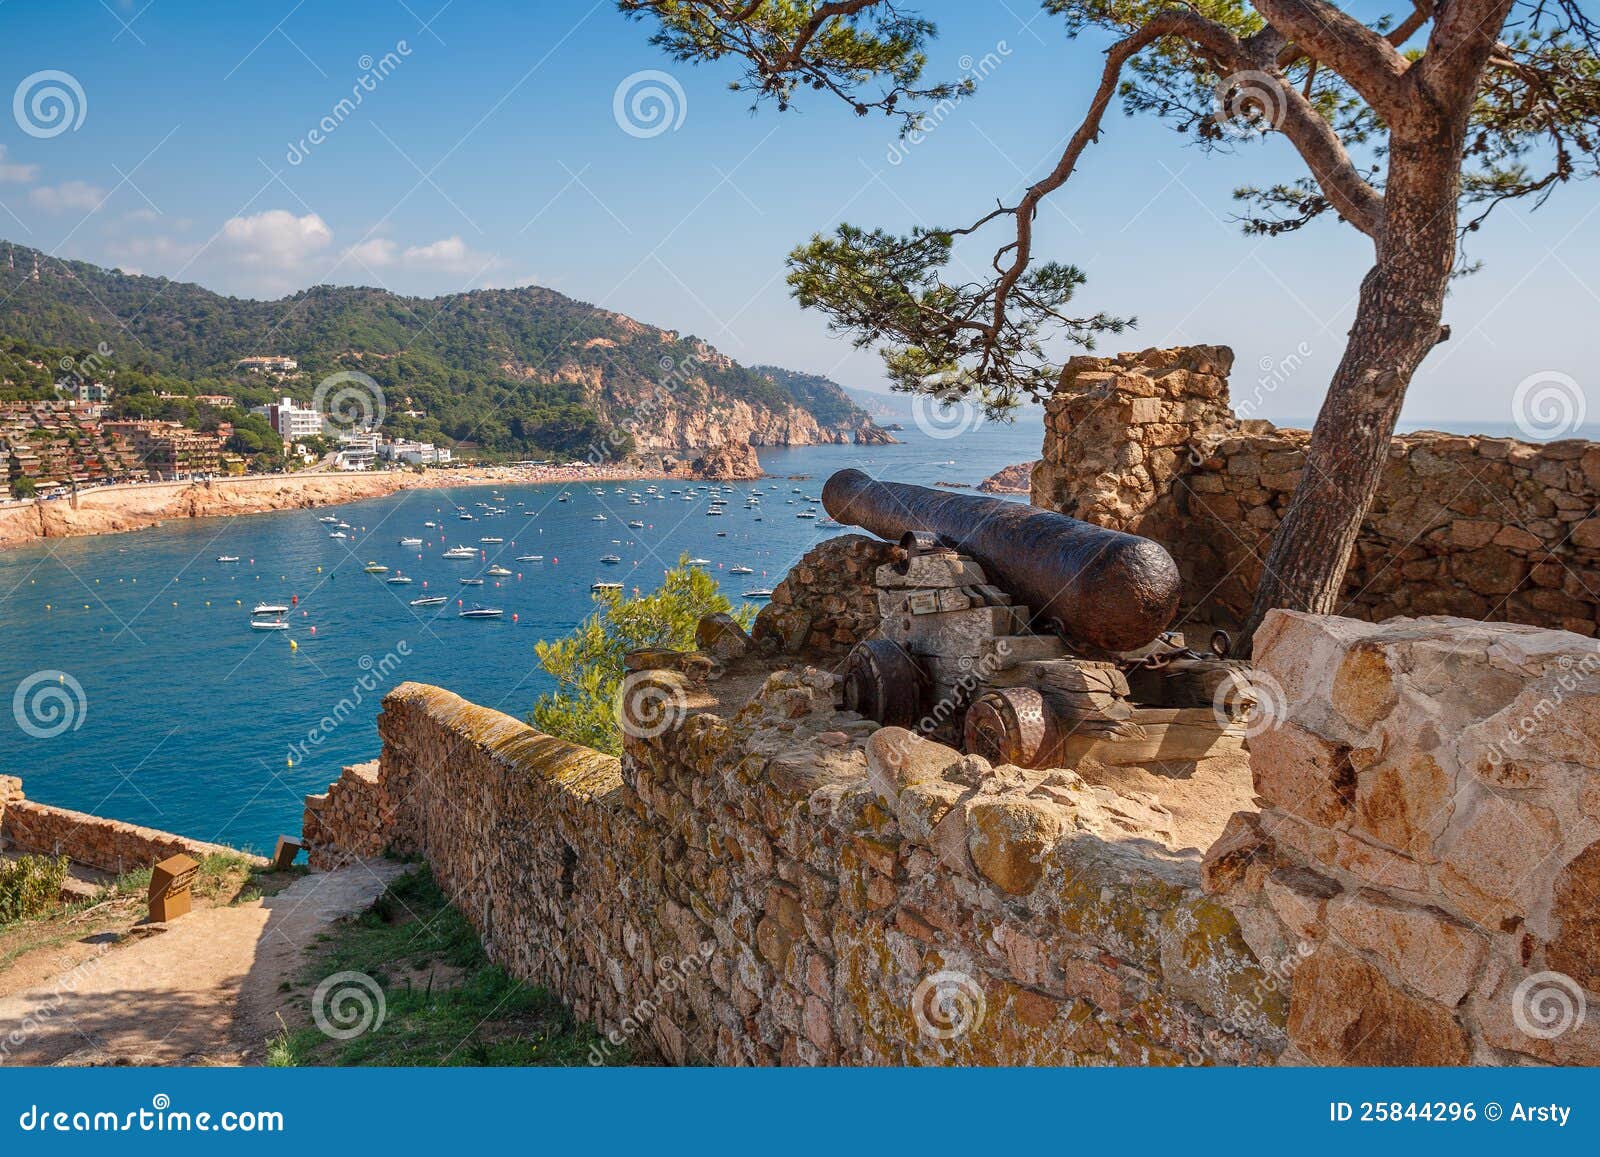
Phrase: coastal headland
{"type": "Point", "coordinates": [136, 506]}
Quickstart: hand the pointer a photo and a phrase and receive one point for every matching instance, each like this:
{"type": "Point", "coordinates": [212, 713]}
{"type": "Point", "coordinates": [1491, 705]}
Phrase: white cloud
{"type": "Point", "coordinates": [78, 195]}
{"type": "Point", "coordinates": [276, 238]}
{"type": "Point", "coordinates": [374, 253]}
{"type": "Point", "coordinates": [449, 255]}
{"type": "Point", "coordinates": [15, 172]}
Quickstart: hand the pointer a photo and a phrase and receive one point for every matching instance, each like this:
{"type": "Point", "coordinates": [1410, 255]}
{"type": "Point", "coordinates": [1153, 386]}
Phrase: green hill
{"type": "Point", "coordinates": [510, 371]}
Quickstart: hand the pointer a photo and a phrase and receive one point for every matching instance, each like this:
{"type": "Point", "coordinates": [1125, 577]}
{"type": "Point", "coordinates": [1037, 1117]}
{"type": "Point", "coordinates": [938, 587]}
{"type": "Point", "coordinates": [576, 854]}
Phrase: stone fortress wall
{"type": "Point", "coordinates": [1417, 880]}
{"type": "Point", "coordinates": [1484, 528]}
{"type": "Point", "coordinates": [30, 828]}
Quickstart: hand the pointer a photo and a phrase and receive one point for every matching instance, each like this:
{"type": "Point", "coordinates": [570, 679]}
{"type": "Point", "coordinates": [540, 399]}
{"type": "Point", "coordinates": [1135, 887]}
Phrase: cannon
{"type": "Point", "coordinates": [1102, 591]}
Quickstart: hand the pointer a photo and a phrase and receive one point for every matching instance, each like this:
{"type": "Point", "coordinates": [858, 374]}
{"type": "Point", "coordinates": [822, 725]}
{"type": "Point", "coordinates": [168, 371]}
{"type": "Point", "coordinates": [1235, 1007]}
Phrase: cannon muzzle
{"type": "Point", "coordinates": [1101, 590]}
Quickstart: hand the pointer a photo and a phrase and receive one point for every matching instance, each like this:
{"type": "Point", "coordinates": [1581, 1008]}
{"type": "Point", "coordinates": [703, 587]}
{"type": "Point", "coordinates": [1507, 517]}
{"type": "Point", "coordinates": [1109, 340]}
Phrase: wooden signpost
{"type": "Point", "coordinates": [170, 882]}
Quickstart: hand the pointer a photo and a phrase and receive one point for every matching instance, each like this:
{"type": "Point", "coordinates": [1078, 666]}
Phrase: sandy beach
{"type": "Point", "coordinates": [135, 506]}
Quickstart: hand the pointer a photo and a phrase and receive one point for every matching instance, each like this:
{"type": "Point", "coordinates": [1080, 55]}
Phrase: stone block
{"type": "Point", "coordinates": [1009, 838]}
{"type": "Point", "coordinates": [1343, 1011]}
{"type": "Point", "coordinates": [1423, 948]}
{"type": "Point", "coordinates": [931, 570]}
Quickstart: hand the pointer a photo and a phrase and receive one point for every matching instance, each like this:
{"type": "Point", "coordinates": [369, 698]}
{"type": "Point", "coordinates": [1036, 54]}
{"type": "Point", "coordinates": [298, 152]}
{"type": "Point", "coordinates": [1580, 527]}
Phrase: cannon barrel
{"type": "Point", "coordinates": [1102, 590]}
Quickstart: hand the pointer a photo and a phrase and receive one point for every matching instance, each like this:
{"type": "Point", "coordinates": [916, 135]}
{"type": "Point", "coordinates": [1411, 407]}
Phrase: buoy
{"type": "Point", "coordinates": [313, 630]}
{"type": "Point", "coordinates": [513, 617]}
{"type": "Point", "coordinates": [291, 761]}
{"type": "Point", "coordinates": [293, 646]}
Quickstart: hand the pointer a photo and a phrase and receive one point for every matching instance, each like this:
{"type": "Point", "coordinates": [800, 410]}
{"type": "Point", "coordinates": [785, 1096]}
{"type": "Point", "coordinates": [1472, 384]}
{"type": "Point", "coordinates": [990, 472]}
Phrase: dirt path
{"type": "Point", "coordinates": [203, 990]}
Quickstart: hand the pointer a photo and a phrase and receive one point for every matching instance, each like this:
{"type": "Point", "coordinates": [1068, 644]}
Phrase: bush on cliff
{"type": "Point", "coordinates": [588, 664]}
{"type": "Point", "coordinates": [29, 885]}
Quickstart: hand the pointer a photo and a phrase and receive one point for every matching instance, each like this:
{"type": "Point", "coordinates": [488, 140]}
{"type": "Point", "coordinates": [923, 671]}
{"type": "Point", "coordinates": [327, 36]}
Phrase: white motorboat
{"type": "Point", "coordinates": [635, 524]}
{"type": "Point", "coordinates": [492, 541]}
{"type": "Point", "coordinates": [598, 588]}
{"type": "Point", "coordinates": [498, 571]}
{"type": "Point", "coordinates": [741, 570]}
{"type": "Point", "coordinates": [227, 558]}
{"type": "Point", "coordinates": [410, 542]}
{"type": "Point", "coordinates": [699, 562]}
{"type": "Point", "coordinates": [611, 559]}
{"type": "Point", "coordinates": [375, 568]}
{"type": "Point", "coordinates": [328, 518]}
{"type": "Point", "coordinates": [471, 582]}
{"type": "Point", "coordinates": [480, 613]}
{"type": "Point", "coordinates": [430, 601]}
{"type": "Point", "coordinates": [398, 580]}
{"type": "Point", "coordinates": [759, 593]}
{"type": "Point", "coordinates": [530, 558]}
{"type": "Point", "coordinates": [270, 609]}
{"type": "Point", "coordinates": [461, 552]}
{"type": "Point", "coordinates": [805, 514]}
{"type": "Point", "coordinates": [268, 625]}
{"type": "Point", "coordinates": [597, 518]}
{"type": "Point", "coordinates": [338, 534]}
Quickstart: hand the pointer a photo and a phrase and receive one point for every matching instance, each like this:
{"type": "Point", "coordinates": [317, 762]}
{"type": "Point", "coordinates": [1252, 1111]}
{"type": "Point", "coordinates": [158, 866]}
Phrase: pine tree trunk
{"type": "Point", "coordinates": [1397, 322]}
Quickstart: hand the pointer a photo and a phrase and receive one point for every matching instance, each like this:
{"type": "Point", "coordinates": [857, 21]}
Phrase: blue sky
{"type": "Point", "coordinates": [490, 155]}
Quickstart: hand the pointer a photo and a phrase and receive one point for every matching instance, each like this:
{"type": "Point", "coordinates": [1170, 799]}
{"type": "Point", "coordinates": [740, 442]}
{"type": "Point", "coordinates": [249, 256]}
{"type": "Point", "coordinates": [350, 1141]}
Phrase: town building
{"type": "Point", "coordinates": [414, 453]}
{"type": "Point", "coordinates": [292, 421]}
{"type": "Point", "coordinates": [267, 365]}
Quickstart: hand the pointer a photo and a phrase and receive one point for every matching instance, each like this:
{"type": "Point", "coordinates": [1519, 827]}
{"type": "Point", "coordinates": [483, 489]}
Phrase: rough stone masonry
{"type": "Point", "coordinates": [1485, 528]}
{"type": "Point", "coordinates": [1411, 878]}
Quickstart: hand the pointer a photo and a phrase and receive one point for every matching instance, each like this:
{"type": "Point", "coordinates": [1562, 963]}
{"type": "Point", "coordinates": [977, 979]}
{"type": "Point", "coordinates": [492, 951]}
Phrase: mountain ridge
{"type": "Point", "coordinates": [510, 371]}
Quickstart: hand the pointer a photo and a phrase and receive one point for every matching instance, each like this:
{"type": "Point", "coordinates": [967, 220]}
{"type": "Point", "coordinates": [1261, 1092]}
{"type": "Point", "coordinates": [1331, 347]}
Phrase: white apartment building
{"type": "Point", "coordinates": [292, 421]}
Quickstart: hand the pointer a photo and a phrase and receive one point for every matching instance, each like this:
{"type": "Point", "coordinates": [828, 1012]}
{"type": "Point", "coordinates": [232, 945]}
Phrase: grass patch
{"type": "Point", "coordinates": [444, 1003]}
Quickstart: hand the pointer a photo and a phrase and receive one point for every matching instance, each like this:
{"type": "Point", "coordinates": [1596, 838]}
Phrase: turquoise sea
{"type": "Point", "coordinates": [188, 720]}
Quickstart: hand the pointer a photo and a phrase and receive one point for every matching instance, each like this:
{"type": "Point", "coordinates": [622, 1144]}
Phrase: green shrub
{"type": "Point", "coordinates": [29, 885]}
{"type": "Point", "coordinates": [588, 664]}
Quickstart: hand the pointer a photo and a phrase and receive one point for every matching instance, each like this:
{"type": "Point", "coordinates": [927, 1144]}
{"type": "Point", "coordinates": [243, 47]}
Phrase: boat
{"type": "Point", "coordinates": [714, 512]}
{"type": "Point", "coordinates": [597, 588]}
{"type": "Point", "coordinates": [828, 522]}
{"type": "Point", "coordinates": [398, 580]}
{"type": "Point", "coordinates": [430, 601]}
{"type": "Point", "coordinates": [805, 514]}
{"type": "Point", "coordinates": [530, 558]}
{"type": "Point", "coordinates": [227, 558]}
{"type": "Point", "coordinates": [699, 562]}
{"type": "Point", "coordinates": [268, 625]}
{"type": "Point", "coordinates": [431, 525]}
{"type": "Point", "coordinates": [410, 542]}
{"type": "Point", "coordinates": [741, 570]}
{"type": "Point", "coordinates": [375, 568]}
{"type": "Point", "coordinates": [480, 613]}
{"type": "Point", "coordinates": [611, 559]}
{"type": "Point", "coordinates": [636, 525]}
{"type": "Point", "coordinates": [759, 593]}
{"type": "Point", "coordinates": [471, 582]}
{"type": "Point", "coordinates": [328, 518]}
{"type": "Point", "coordinates": [461, 552]}
{"type": "Point", "coordinates": [563, 498]}
{"type": "Point", "coordinates": [597, 518]}
{"type": "Point", "coordinates": [492, 541]}
{"type": "Point", "coordinates": [270, 609]}
{"type": "Point", "coordinates": [529, 513]}
{"type": "Point", "coordinates": [338, 534]}
{"type": "Point", "coordinates": [464, 516]}
{"type": "Point", "coordinates": [498, 571]}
